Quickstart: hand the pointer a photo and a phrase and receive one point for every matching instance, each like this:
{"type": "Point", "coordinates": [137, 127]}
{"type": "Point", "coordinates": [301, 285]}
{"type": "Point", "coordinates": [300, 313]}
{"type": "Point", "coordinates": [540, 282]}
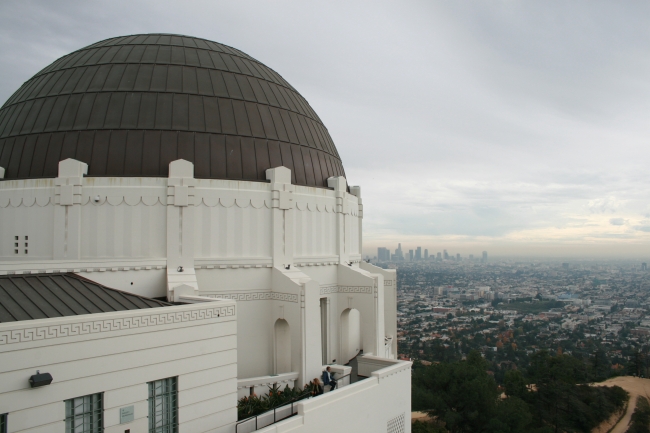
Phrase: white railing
{"type": "Point", "coordinates": [260, 385]}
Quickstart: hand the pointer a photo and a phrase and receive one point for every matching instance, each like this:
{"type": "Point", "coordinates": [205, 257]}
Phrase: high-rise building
{"type": "Point", "coordinates": [471, 257]}
{"type": "Point", "coordinates": [383, 254]}
{"type": "Point", "coordinates": [445, 255]}
{"type": "Point", "coordinates": [418, 253]}
{"type": "Point", "coordinates": [485, 257]}
{"type": "Point", "coordinates": [126, 196]}
{"type": "Point", "coordinates": [438, 256]}
{"type": "Point", "coordinates": [458, 257]}
{"type": "Point", "coordinates": [426, 254]}
{"type": "Point", "coordinates": [644, 266]}
{"type": "Point", "coordinates": [410, 255]}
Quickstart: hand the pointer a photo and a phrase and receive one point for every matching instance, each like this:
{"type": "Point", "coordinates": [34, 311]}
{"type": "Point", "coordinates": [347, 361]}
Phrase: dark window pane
{"type": "Point", "coordinates": [97, 166]}
{"type": "Point", "coordinates": [233, 158]}
{"type": "Point", "coordinates": [202, 156]}
{"type": "Point", "coordinates": [212, 118]}
{"type": "Point", "coordinates": [197, 119]}
{"type": "Point", "coordinates": [133, 158]}
{"type": "Point", "coordinates": [114, 112]}
{"type": "Point", "coordinates": [131, 111]}
{"type": "Point", "coordinates": [147, 116]}
{"type": "Point", "coordinates": [180, 118]}
{"type": "Point", "coordinates": [218, 156]}
{"type": "Point", "coordinates": [116, 153]}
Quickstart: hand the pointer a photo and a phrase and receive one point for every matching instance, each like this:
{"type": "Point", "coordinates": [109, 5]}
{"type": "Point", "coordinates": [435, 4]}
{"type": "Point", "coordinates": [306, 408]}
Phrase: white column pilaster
{"type": "Point", "coordinates": [282, 215]}
{"type": "Point", "coordinates": [356, 191]}
{"type": "Point", "coordinates": [67, 209]}
{"type": "Point", "coordinates": [339, 184]}
{"type": "Point", "coordinates": [181, 277]}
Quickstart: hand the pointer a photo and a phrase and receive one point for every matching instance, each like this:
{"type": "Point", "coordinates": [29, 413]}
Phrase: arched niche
{"type": "Point", "coordinates": [351, 342]}
{"type": "Point", "coordinates": [282, 346]}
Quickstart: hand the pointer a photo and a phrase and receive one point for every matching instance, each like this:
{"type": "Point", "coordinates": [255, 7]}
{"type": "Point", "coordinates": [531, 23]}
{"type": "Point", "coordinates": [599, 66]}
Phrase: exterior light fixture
{"type": "Point", "coordinates": [287, 267]}
{"type": "Point", "coordinates": [97, 198]}
{"type": "Point", "coordinates": [180, 269]}
{"type": "Point", "coordinates": [40, 379]}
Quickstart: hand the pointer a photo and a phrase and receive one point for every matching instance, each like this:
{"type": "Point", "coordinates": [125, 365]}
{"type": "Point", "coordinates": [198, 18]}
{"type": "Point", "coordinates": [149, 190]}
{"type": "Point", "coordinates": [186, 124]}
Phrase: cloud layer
{"type": "Point", "coordinates": [518, 127]}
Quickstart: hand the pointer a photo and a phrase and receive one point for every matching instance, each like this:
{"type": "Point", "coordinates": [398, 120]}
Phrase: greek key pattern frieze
{"type": "Point", "coordinates": [388, 283]}
{"type": "Point", "coordinates": [108, 325]}
{"type": "Point", "coordinates": [255, 296]}
{"type": "Point", "coordinates": [345, 289]}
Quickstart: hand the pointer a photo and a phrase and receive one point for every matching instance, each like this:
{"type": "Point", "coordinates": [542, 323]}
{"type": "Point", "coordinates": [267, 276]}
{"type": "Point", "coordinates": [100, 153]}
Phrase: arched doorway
{"type": "Point", "coordinates": [282, 348]}
{"type": "Point", "coordinates": [350, 334]}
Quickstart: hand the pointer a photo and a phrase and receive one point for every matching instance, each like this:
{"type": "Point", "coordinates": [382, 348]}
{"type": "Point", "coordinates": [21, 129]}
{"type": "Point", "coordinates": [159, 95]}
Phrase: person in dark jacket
{"type": "Point", "coordinates": [328, 378]}
{"type": "Point", "coordinates": [318, 387]}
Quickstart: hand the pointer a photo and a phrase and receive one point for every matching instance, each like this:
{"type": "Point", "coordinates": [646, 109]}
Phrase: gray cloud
{"type": "Point", "coordinates": [617, 221]}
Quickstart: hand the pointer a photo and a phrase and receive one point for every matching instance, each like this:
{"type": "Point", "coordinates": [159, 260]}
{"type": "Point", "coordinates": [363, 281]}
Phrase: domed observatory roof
{"type": "Point", "coordinates": [128, 106]}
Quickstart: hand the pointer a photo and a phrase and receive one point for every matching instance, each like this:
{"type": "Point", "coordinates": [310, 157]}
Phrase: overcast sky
{"type": "Point", "coordinates": [519, 127]}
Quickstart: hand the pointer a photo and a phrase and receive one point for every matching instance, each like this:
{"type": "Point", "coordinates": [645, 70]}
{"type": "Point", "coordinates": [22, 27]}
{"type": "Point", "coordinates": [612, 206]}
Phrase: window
{"type": "Point", "coordinates": [3, 423]}
{"type": "Point", "coordinates": [84, 414]}
{"type": "Point", "coordinates": [163, 406]}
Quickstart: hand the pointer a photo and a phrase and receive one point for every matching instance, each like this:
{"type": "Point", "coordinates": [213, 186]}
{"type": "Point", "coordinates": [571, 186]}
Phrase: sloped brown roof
{"type": "Point", "coordinates": [40, 296]}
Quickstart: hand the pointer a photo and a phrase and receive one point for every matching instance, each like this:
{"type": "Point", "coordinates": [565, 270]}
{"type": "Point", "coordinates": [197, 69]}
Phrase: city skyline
{"type": "Point", "coordinates": [516, 127]}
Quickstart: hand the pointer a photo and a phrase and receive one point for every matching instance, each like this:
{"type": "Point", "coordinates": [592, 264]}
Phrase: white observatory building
{"type": "Point", "coordinates": [176, 233]}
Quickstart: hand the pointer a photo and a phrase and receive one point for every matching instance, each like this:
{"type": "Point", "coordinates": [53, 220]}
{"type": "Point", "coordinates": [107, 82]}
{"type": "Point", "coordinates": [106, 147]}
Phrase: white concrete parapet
{"type": "Point", "coordinates": [260, 385]}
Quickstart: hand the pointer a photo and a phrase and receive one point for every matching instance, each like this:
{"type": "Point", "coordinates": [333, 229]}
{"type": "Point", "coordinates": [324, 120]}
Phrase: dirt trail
{"type": "Point", "coordinates": [636, 387]}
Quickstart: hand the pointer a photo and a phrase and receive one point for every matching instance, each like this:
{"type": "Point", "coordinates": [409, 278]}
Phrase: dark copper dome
{"type": "Point", "coordinates": [128, 106]}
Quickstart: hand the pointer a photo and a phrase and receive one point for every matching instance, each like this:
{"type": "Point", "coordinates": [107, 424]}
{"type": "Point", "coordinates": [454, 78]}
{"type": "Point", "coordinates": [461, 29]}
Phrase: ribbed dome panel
{"type": "Point", "coordinates": [128, 106]}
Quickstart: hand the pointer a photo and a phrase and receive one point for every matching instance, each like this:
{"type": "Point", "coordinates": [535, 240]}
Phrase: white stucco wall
{"type": "Point", "coordinates": [381, 403]}
{"type": "Point", "coordinates": [117, 354]}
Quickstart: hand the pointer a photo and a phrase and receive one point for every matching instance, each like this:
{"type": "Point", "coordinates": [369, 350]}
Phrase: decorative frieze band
{"type": "Point", "coordinates": [255, 296]}
{"type": "Point", "coordinates": [107, 325]}
{"type": "Point", "coordinates": [345, 289]}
